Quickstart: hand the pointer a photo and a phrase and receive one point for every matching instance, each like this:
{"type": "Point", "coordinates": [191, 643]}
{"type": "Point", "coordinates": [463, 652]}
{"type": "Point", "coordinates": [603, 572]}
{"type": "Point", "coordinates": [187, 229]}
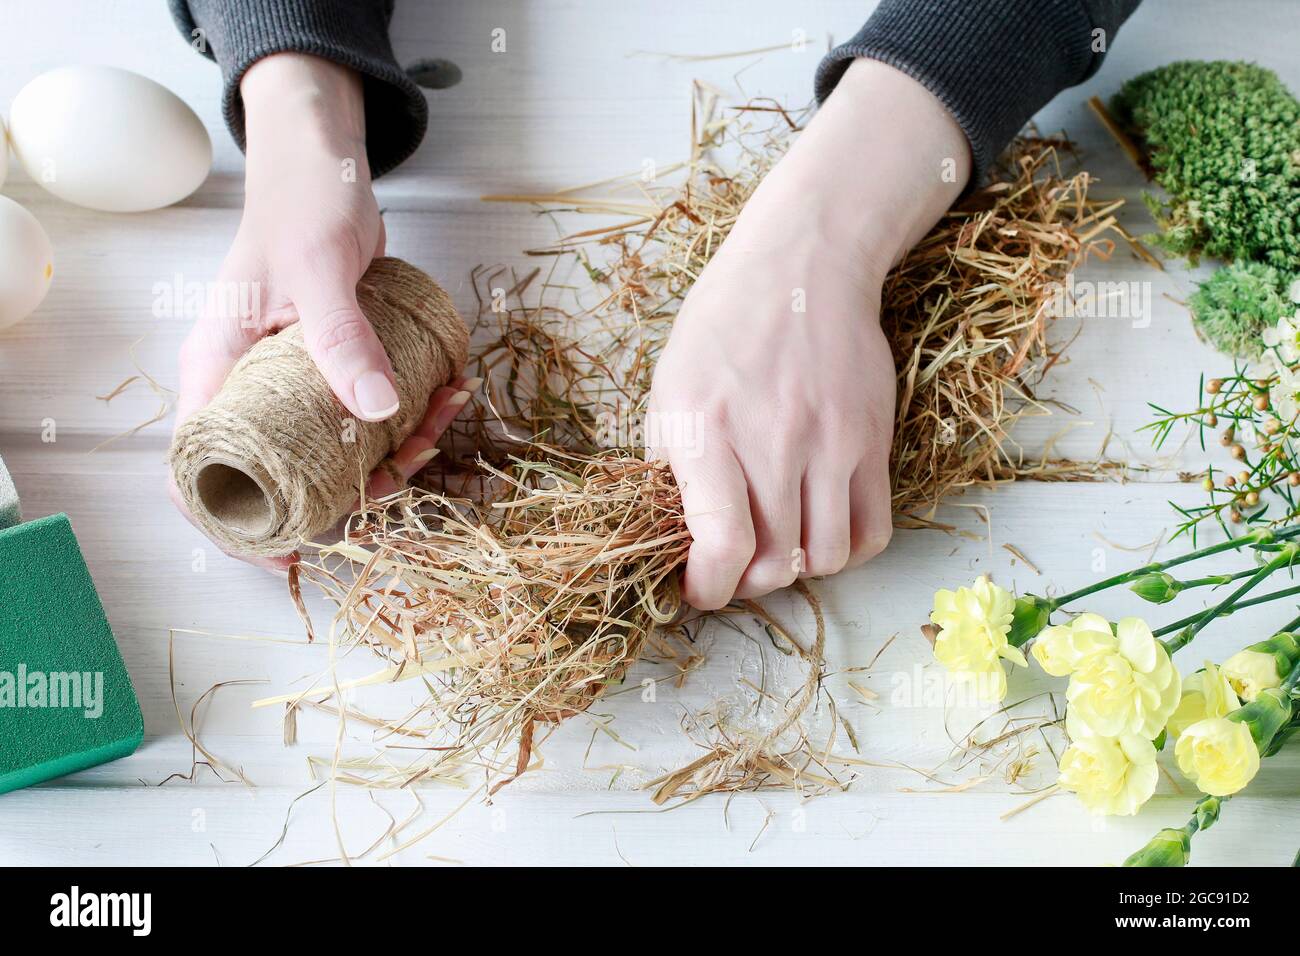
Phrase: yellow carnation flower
{"type": "Point", "coordinates": [1131, 688]}
{"type": "Point", "coordinates": [1250, 672]}
{"type": "Point", "coordinates": [1218, 755]}
{"type": "Point", "coordinates": [1205, 694]}
{"type": "Point", "coordinates": [1060, 649]}
{"type": "Point", "coordinates": [1110, 776]}
{"type": "Point", "coordinates": [973, 623]}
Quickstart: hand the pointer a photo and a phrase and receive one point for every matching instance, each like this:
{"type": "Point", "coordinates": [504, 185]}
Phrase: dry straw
{"type": "Point", "coordinates": [519, 610]}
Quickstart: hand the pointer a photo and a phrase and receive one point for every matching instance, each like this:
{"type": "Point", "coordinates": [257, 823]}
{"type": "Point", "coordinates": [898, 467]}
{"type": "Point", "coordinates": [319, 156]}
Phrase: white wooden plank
{"type": "Point", "coordinates": [183, 825]}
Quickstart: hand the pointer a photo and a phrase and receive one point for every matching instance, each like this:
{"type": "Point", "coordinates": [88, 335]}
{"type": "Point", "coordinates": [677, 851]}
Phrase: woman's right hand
{"type": "Point", "coordinates": [311, 227]}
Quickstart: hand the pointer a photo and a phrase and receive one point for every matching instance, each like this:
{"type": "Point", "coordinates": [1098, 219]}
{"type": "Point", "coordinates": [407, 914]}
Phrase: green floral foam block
{"type": "Point", "coordinates": [66, 701]}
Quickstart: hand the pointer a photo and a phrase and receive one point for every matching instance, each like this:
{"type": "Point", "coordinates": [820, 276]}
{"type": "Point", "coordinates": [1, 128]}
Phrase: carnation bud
{"type": "Point", "coordinates": [1167, 848]}
{"type": "Point", "coordinates": [1030, 616]}
{"type": "Point", "coordinates": [1156, 587]}
{"type": "Point", "coordinates": [1207, 812]}
{"type": "Point", "coordinates": [1265, 716]}
{"type": "Point", "coordinates": [1262, 665]}
{"type": "Point", "coordinates": [1285, 648]}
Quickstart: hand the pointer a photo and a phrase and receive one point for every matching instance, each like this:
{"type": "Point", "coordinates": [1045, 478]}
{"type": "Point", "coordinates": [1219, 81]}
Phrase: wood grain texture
{"type": "Point", "coordinates": [578, 96]}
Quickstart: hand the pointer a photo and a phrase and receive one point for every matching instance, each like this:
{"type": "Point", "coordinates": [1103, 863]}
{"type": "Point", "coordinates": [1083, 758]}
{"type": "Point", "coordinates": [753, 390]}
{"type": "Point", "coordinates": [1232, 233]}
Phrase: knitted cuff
{"type": "Point", "coordinates": [353, 33]}
{"type": "Point", "coordinates": [992, 63]}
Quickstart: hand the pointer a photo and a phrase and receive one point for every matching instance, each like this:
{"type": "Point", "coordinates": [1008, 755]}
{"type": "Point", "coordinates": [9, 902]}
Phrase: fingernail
{"type": "Point", "coordinates": [460, 398]}
{"type": "Point", "coordinates": [424, 457]}
{"type": "Point", "coordinates": [375, 396]}
{"type": "Point", "coordinates": [472, 384]}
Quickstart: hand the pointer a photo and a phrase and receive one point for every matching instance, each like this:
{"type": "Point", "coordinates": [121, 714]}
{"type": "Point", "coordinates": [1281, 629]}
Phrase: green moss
{"type": "Point", "coordinates": [1234, 307]}
{"type": "Point", "coordinates": [1224, 141]}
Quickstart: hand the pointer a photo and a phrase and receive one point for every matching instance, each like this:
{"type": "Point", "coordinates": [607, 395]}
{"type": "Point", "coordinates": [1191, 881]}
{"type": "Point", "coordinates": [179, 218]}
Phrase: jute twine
{"type": "Point", "coordinates": [275, 460]}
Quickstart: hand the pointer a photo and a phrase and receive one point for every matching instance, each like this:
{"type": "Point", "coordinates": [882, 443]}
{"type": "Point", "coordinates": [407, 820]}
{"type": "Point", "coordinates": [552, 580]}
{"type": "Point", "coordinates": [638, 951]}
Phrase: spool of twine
{"type": "Point", "coordinates": [275, 459]}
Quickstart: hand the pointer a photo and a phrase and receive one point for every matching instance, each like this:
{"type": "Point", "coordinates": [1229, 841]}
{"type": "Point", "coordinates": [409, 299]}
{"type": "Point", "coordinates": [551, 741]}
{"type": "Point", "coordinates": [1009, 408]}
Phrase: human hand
{"type": "Point", "coordinates": [311, 227]}
{"type": "Point", "coordinates": [777, 365]}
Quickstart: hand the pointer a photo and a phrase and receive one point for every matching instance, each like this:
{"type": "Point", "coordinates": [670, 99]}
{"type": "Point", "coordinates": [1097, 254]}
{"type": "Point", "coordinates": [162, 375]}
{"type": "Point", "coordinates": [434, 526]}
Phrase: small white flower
{"type": "Point", "coordinates": [1285, 394]}
{"type": "Point", "coordinates": [1285, 337]}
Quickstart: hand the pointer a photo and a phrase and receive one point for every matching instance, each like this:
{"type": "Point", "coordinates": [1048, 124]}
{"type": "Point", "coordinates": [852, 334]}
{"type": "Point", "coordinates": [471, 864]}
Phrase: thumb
{"type": "Point", "coordinates": [345, 348]}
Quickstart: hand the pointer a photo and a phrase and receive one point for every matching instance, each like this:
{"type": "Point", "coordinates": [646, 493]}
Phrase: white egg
{"type": "Point", "coordinates": [108, 139]}
{"type": "Point", "coordinates": [4, 151]}
{"type": "Point", "coordinates": [26, 263]}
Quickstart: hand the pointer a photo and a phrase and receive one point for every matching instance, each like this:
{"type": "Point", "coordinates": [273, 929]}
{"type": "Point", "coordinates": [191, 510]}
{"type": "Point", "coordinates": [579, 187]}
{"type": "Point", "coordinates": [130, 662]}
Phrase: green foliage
{"type": "Point", "coordinates": [1234, 307]}
{"type": "Point", "coordinates": [1224, 141]}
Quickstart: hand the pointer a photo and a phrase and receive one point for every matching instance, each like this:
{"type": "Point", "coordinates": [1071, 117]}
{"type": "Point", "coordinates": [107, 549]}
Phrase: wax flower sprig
{"type": "Point", "coordinates": [1257, 409]}
{"type": "Point", "coordinates": [1125, 698]}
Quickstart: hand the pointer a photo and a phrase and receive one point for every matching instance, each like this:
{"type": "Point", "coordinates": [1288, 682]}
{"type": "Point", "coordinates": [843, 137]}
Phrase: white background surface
{"type": "Point", "coordinates": [569, 103]}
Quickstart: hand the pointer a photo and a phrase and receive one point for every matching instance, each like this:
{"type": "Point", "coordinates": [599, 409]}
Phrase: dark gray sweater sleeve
{"type": "Point", "coordinates": [354, 33]}
{"type": "Point", "coordinates": [992, 63]}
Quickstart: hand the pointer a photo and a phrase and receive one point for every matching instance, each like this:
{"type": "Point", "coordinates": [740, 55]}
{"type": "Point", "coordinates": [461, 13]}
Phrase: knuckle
{"type": "Point", "coordinates": [729, 549]}
{"type": "Point", "coordinates": [703, 600]}
{"type": "Point", "coordinates": [846, 434]}
{"type": "Point", "coordinates": [772, 572]}
{"type": "Point", "coordinates": [877, 432]}
{"type": "Point", "coordinates": [328, 244]}
{"type": "Point", "coordinates": [339, 330]}
{"type": "Point", "coordinates": [827, 559]}
{"type": "Point", "coordinates": [874, 541]}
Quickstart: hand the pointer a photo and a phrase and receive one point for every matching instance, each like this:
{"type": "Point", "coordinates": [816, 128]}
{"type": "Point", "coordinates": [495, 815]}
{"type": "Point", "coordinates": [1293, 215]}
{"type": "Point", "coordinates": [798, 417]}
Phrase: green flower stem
{"type": "Point", "coordinates": [1284, 558]}
{"type": "Point", "coordinates": [1262, 599]}
{"type": "Point", "coordinates": [1216, 579]}
{"type": "Point", "coordinates": [1260, 536]}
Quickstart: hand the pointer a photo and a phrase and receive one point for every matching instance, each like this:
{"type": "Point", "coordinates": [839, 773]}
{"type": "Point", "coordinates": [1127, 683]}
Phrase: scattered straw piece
{"type": "Point", "coordinates": [1117, 133]}
{"type": "Point", "coordinates": [1016, 552]}
{"type": "Point", "coordinates": [165, 396]}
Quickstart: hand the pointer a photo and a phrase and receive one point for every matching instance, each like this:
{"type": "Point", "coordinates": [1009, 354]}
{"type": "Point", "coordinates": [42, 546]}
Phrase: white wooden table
{"type": "Point", "coordinates": [568, 103]}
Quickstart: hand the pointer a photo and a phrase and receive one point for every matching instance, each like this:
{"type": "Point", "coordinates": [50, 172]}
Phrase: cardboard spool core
{"type": "Point", "coordinates": [237, 496]}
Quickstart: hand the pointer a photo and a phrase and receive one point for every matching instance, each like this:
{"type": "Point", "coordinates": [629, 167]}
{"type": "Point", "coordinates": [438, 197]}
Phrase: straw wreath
{"type": "Point", "coordinates": [526, 593]}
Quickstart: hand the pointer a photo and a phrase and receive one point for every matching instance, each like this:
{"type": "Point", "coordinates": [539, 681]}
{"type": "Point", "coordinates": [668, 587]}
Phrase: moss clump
{"type": "Point", "coordinates": [1234, 307]}
{"type": "Point", "coordinates": [1224, 141]}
